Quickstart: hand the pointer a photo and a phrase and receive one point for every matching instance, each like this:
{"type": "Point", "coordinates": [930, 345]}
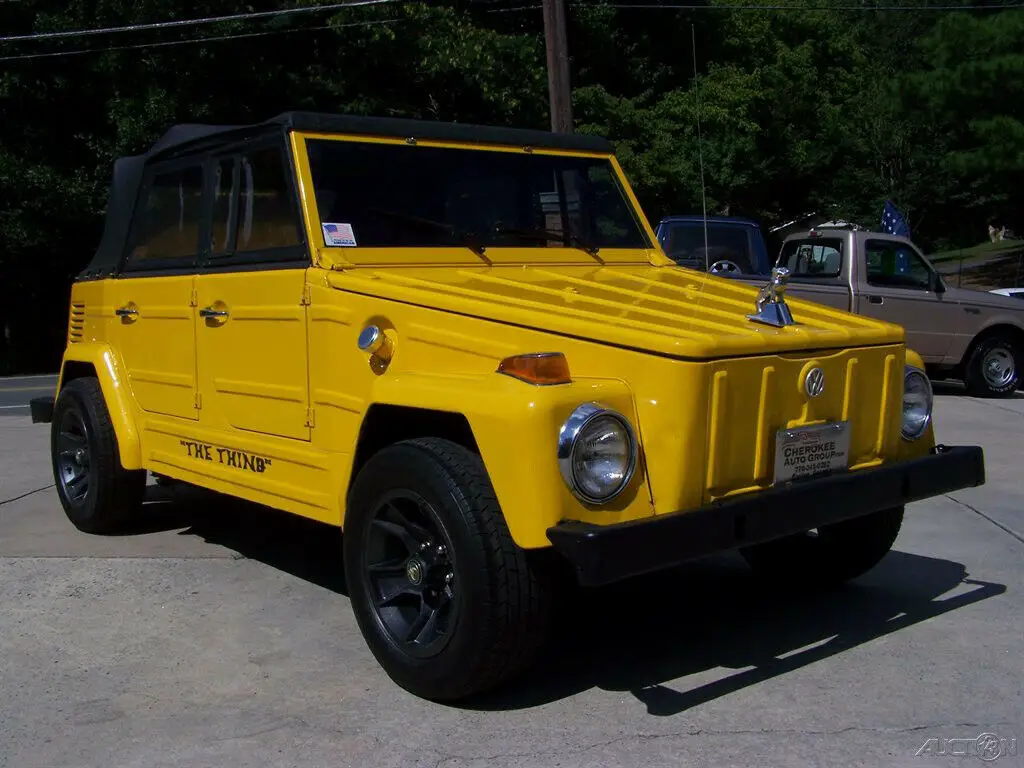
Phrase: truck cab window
{"type": "Point", "coordinates": [816, 257]}
{"type": "Point", "coordinates": [893, 265]}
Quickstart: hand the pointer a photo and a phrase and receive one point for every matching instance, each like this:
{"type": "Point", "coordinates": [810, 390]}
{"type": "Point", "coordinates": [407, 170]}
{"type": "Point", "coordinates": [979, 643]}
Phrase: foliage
{"type": "Point", "coordinates": [780, 113]}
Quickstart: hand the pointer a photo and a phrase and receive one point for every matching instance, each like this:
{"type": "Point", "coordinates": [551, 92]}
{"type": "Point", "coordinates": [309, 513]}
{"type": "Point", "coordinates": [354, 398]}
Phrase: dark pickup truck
{"type": "Point", "coordinates": [735, 246]}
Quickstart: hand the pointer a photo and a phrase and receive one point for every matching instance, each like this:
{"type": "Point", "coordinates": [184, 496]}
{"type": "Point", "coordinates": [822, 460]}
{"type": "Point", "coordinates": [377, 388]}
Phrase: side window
{"type": "Point", "coordinates": [615, 221]}
{"type": "Point", "coordinates": [166, 224]}
{"type": "Point", "coordinates": [266, 217]}
{"type": "Point", "coordinates": [892, 265]}
{"type": "Point", "coordinates": [813, 258]}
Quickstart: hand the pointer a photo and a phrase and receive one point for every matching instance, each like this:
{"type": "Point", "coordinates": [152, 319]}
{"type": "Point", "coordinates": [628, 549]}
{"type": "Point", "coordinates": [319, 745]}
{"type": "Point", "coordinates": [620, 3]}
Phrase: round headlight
{"type": "Point", "coordinates": [917, 403]}
{"type": "Point", "coordinates": [596, 453]}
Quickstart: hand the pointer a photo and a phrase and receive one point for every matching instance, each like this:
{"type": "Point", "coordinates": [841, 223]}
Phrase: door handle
{"type": "Point", "coordinates": [211, 312]}
{"type": "Point", "coordinates": [125, 312]}
{"type": "Point", "coordinates": [875, 299]}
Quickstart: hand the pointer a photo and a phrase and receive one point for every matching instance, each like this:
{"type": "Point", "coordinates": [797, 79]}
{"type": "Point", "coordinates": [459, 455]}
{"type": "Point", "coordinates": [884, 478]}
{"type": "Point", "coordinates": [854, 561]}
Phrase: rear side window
{"type": "Point", "coordinates": [166, 223]}
{"type": "Point", "coordinates": [817, 257]}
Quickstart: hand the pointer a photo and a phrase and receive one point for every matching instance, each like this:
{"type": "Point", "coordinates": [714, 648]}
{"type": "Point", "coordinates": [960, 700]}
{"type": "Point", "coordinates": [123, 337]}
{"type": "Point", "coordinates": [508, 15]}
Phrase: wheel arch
{"type": "Point", "coordinates": [99, 360]}
{"type": "Point", "coordinates": [514, 429]}
{"type": "Point", "coordinates": [1015, 332]}
{"type": "Point", "coordinates": [385, 424]}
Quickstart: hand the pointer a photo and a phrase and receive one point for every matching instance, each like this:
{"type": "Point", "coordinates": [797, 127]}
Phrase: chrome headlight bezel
{"type": "Point", "coordinates": [569, 438]}
{"type": "Point", "coordinates": [911, 372]}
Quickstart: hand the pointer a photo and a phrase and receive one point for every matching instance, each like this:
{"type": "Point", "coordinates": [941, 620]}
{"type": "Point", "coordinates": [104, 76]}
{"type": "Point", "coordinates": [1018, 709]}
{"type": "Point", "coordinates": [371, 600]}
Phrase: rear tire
{"type": "Point", "coordinates": [98, 494]}
{"type": "Point", "coordinates": [428, 556]}
{"type": "Point", "coordinates": [993, 367]}
{"type": "Point", "coordinates": [837, 553]}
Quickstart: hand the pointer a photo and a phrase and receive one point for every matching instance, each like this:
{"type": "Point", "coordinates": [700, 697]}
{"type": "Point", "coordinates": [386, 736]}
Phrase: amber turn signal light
{"type": "Point", "coordinates": [542, 368]}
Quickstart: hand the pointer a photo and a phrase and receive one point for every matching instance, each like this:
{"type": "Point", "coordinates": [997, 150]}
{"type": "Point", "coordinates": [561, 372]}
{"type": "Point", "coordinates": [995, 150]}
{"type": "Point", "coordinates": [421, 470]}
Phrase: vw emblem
{"type": "Point", "coordinates": [815, 382]}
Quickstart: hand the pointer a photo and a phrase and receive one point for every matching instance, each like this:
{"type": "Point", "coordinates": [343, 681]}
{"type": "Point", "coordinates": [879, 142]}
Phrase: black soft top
{"type": "Point", "coordinates": [192, 137]}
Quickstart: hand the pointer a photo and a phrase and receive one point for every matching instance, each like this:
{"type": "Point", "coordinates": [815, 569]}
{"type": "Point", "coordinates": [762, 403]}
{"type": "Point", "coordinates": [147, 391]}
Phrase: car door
{"type": "Point", "coordinates": [251, 327]}
{"type": "Point", "coordinates": [153, 295]}
{"type": "Point", "coordinates": [898, 286]}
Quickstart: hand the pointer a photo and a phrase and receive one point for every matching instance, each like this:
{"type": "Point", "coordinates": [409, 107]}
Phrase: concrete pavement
{"type": "Point", "coordinates": [219, 634]}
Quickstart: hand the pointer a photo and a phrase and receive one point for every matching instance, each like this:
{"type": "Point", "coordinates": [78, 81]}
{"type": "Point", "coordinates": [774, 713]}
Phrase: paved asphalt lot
{"type": "Point", "coordinates": [16, 391]}
{"type": "Point", "coordinates": [219, 634]}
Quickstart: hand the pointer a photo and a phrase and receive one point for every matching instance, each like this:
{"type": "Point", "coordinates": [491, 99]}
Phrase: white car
{"type": "Point", "coordinates": [1017, 293]}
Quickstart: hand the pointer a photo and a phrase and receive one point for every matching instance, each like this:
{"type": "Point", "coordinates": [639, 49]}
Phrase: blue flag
{"type": "Point", "coordinates": [893, 222]}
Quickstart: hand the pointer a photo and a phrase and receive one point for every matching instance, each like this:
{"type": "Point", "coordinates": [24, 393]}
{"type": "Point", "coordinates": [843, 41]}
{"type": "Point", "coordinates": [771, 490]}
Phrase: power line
{"type": "Point", "coordinates": [355, 3]}
{"type": "Point", "coordinates": [193, 22]}
{"type": "Point", "coordinates": [726, 7]}
{"type": "Point", "coordinates": [791, 7]}
{"type": "Point", "coordinates": [194, 40]}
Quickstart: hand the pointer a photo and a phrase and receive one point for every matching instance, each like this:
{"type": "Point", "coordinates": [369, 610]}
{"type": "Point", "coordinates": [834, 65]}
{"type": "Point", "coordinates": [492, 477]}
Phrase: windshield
{"type": "Point", "coordinates": [402, 196]}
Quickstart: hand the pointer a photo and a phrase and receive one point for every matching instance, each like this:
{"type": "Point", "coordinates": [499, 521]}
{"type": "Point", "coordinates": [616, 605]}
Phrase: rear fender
{"type": "Point", "coordinates": [515, 426]}
{"type": "Point", "coordinates": [118, 398]}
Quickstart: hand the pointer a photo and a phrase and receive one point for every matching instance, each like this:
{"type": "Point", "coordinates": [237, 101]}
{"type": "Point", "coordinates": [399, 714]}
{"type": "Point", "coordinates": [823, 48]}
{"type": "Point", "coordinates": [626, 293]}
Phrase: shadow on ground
{"type": "Point", "coordinates": [953, 388]}
{"type": "Point", "coordinates": [304, 548]}
{"type": "Point", "coordinates": [641, 635]}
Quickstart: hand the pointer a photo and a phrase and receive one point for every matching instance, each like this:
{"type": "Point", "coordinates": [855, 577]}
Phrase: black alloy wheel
{"type": "Point", "coordinates": [410, 574]}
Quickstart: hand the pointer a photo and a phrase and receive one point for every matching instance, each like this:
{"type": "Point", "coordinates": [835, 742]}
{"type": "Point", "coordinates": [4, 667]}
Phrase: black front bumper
{"type": "Point", "coordinates": [41, 409]}
{"type": "Point", "coordinates": [605, 553]}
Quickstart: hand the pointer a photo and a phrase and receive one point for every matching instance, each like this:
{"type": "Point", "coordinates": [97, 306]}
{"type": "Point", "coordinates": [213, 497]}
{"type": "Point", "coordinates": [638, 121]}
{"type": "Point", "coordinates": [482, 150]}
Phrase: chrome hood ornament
{"type": "Point", "coordinates": [771, 307]}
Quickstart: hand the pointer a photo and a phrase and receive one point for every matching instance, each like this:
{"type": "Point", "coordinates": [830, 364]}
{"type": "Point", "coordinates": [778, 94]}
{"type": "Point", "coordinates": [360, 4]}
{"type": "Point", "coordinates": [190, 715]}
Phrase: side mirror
{"type": "Point", "coordinates": [937, 285]}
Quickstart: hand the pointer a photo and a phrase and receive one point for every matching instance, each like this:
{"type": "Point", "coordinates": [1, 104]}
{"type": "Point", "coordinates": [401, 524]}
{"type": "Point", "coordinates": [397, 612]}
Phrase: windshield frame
{"type": "Point", "coordinates": [458, 255]}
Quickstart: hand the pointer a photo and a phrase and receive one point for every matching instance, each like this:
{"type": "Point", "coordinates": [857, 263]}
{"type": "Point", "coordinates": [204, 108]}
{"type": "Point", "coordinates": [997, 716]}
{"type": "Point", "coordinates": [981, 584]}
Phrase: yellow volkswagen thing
{"type": "Point", "coordinates": [464, 347]}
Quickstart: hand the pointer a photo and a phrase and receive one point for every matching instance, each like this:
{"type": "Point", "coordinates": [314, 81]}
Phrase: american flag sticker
{"type": "Point", "coordinates": [338, 234]}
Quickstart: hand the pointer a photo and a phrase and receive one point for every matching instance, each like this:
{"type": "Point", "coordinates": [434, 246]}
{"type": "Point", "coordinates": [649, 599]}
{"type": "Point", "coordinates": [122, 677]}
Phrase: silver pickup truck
{"type": "Point", "coordinates": [974, 336]}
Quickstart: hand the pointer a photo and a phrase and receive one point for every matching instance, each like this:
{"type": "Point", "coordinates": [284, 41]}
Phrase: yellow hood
{"type": "Point", "coordinates": [664, 310]}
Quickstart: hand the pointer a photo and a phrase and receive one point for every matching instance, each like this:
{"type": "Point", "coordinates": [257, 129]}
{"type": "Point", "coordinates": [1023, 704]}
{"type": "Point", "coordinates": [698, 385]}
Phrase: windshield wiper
{"type": "Point", "coordinates": [550, 235]}
{"type": "Point", "coordinates": [468, 239]}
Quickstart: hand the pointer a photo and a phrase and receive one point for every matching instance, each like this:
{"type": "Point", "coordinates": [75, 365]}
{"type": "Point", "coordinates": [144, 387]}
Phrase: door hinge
{"type": "Point", "coordinates": [193, 299]}
{"type": "Point", "coordinates": [307, 295]}
{"type": "Point", "coordinates": [310, 421]}
{"type": "Point", "coordinates": [197, 401]}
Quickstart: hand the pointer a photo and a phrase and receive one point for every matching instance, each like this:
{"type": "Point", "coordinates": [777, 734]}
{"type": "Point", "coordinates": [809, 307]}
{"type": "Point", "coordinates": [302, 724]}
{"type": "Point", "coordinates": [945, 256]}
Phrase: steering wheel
{"type": "Point", "coordinates": [724, 266]}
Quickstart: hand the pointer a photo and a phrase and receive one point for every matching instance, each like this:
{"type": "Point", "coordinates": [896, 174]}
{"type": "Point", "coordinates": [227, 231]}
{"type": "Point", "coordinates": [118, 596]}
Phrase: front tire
{"type": "Point", "coordinates": [96, 492]}
{"type": "Point", "coordinates": [446, 601]}
{"type": "Point", "coordinates": [832, 555]}
{"type": "Point", "coordinates": [993, 368]}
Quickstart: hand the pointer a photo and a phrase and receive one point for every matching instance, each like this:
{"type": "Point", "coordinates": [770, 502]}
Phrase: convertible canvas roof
{"type": "Point", "coordinates": [188, 137]}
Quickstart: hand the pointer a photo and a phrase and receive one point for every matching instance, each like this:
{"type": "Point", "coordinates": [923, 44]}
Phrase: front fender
{"type": "Point", "coordinates": [114, 385]}
{"type": "Point", "coordinates": [515, 426]}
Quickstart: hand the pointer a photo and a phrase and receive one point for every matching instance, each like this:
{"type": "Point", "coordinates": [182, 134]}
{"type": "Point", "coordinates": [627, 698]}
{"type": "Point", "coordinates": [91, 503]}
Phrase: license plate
{"type": "Point", "coordinates": [804, 452]}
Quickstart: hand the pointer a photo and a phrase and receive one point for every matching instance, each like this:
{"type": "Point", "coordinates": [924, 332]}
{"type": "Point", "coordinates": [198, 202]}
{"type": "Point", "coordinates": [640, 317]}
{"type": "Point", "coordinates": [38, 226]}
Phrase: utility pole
{"type": "Point", "coordinates": [558, 66]}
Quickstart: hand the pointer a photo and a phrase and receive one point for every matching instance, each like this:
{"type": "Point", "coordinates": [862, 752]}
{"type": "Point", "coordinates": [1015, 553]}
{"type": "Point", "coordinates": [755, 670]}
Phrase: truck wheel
{"type": "Point", "coordinates": [993, 368]}
{"type": "Point", "coordinates": [446, 601]}
{"type": "Point", "coordinates": [97, 493]}
{"type": "Point", "coordinates": [832, 555]}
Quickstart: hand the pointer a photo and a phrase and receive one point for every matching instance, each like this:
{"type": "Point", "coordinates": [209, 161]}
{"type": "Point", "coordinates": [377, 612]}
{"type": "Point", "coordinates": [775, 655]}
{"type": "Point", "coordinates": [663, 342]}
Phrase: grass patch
{"type": "Point", "coordinates": [980, 252]}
